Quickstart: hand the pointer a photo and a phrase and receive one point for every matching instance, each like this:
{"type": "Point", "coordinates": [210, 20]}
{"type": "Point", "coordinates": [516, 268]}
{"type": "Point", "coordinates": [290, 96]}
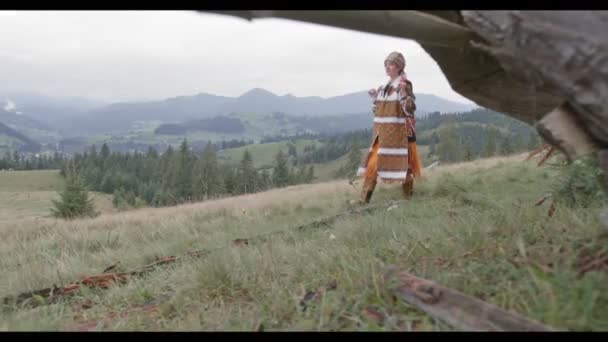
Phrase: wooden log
{"type": "Point", "coordinates": [546, 157]}
{"type": "Point", "coordinates": [456, 309]}
{"type": "Point", "coordinates": [537, 151]}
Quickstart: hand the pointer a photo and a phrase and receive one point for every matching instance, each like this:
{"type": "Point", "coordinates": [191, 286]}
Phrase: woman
{"type": "Point", "coordinates": [392, 157]}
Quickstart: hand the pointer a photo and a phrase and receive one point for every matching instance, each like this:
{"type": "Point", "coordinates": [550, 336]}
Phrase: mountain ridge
{"type": "Point", "coordinates": [117, 116]}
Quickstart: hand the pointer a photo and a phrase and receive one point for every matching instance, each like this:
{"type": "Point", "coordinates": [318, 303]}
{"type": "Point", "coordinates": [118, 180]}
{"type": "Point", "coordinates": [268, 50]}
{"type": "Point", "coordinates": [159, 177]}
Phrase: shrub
{"type": "Point", "coordinates": [74, 202]}
{"type": "Point", "coordinates": [581, 183]}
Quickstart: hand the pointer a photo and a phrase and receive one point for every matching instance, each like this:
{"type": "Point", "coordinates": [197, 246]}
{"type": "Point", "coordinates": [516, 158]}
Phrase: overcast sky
{"type": "Point", "coordinates": [144, 55]}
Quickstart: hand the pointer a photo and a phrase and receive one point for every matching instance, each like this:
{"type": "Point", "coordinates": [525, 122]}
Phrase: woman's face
{"type": "Point", "coordinates": [392, 70]}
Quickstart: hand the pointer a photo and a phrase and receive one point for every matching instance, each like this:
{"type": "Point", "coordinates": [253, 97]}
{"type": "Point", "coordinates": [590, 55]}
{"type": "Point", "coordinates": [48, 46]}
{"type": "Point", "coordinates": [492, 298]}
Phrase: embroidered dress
{"type": "Point", "coordinates": [393, 132]}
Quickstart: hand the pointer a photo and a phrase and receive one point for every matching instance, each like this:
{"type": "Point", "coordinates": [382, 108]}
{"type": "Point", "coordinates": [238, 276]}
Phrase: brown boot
{"type": "Point", "coordinates": [367, 191]}
{"type": "Point", "coordinates": [408, 188]}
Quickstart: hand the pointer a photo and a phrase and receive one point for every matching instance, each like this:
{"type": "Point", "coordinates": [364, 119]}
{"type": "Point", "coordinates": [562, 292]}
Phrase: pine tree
{"type": "Point", "coordinates": [75, 201]}
{"type": "Point", "coordinates": [468, 150]}
{"type": "Point", "coordinates": [265, 180]}
{"type": "Point", "coordinates": [229, 178]}
{"type": "Point", "coordinates": [118, 199]}
{"type": "Point", "coordinates": [490, 147]}
{"type": "Point", "coordinates": [93, 155]}
{"type": "Point", "coordinates": [449, 148]}
{"type": "Point", "coordinates": [181, 173]}
{"type": "Point", "coordinates": [433, 145]}
{"type": "Point", "coordinates": [16, 160]}
{"type": "Point", "coordinates": [311, 174]}
{"type": "Point", "coordinates": [105, 151]}
{"type": "Point", "coordinates": [291, 150]}
{"type": "Point", "coordinates": [41, 163]}
{"type": "Point", "coordinates": [246, 175]}
{"type": "Point", "coordinates": [354, 159]}
{"type": "Point", "coordinates": [300, 175]}
{"type": "Point", "coordinates": [506, 147]}
{"type": "Point", "coordinates": [207, 179]}
{"type": "Point", "coordinates": [280, 174]}
{"type": "Point", "coordinates": [151, 153]}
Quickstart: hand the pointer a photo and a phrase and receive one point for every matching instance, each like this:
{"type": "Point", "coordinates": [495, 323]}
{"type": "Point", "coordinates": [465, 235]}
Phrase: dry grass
{"type": "Point", "coordinates": [471, 226]}
{"type": "Point", "coordinates": [16, 206]}
{"type": "Point", "coordinates": [478, 165]}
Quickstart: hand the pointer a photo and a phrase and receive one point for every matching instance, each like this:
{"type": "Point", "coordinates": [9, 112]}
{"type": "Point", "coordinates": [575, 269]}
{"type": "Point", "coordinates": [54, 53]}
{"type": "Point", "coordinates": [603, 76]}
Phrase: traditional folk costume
{"type": "Point", "coordinates": [392, 156]}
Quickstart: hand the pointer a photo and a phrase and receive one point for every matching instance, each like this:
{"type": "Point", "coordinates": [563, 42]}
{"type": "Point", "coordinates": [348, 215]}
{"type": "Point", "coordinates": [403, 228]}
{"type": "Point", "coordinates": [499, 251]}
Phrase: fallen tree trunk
{"type": "Point", "coordinates": [454, 308]}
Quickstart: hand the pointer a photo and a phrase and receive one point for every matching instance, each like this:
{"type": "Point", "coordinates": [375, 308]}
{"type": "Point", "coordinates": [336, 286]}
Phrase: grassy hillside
{"type": "Point", "coordinates": [264, 154]}
{"type": "Point", "coordinates": [426, 134]}
{"type": "Point", "coordinates": [27, 196]}
{"type": "Point", "coordinates": [472, 227]}
{"type": "Point", "coordinates": [35, 180]}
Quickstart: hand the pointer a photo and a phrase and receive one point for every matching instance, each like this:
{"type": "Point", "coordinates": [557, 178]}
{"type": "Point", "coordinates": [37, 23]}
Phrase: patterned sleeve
{"type": "Point", "coordinates": [408, 100]}
{"type": "Point", "coordinates": [374, 99]}
{"type": "Point", "coordinates": [408, 103]}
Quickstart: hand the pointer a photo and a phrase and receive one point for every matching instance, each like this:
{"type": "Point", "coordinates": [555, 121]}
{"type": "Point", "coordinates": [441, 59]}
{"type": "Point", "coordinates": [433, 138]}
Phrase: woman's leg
{"type": "Point", "coordinates": [413, 170]}
{"type": "Point", "coordinates": [408, 185]}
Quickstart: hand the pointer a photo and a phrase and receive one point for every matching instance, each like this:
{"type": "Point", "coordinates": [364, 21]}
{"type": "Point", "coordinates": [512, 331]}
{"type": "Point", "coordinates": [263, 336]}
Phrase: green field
{"type": "Point", "coordinates": [257, 125]}
{"type": "Point", "coordinates": [471, 226]}
{"type": "Point", "coordinates": [264, 154]}
{"type": "Point", "coordinates": [35, 180]}
{"type": "Point", "coordinates": [28, 195]}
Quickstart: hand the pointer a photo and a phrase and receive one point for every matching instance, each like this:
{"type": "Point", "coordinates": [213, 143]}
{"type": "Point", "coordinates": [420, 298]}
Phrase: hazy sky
{"type": "Point", "coordinates": [139, 55]}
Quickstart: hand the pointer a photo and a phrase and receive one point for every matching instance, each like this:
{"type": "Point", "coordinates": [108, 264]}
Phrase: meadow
{"type": "Point", "coordinates": [471, 226]}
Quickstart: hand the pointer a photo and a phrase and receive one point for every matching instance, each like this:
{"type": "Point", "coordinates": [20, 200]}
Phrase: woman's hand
{"type": "Point", "coordinates": [402, 87]}
{"type": "Point", "coordinates": [372, 92]}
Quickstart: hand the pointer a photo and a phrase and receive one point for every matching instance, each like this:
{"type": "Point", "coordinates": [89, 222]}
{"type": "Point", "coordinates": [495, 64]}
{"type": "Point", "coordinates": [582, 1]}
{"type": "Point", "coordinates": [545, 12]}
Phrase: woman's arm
{"type": "Point", "coordinates": [373, 94]}
{"type": "Point", "coordinates": [408, 104]}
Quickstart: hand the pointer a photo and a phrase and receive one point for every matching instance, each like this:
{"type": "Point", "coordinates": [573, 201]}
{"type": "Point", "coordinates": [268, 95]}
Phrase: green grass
{"type": "Point", "coordinates": [28, 195]}
{"type": "Point", "coordinates": [264, 154]}
{"type": "Point", "coordinates": [429, 132]}
{"type": "Point", "coordinates": [35, 180]}
{"type": "Point", "coordinates": [472, 227]}
{"type": "Point", "coordinates": [325, 172]}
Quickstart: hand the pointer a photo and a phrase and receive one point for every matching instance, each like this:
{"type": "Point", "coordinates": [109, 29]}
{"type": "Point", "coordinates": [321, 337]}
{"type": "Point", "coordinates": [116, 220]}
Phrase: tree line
{"type": "Point", "coordinates": [330, 147]}
{"type": "Point", "coordinates": [177, 175]}
{"type": "Point", "coordinates": [480, 133]}
{"type": "Point", "coordinates": [17, 161]}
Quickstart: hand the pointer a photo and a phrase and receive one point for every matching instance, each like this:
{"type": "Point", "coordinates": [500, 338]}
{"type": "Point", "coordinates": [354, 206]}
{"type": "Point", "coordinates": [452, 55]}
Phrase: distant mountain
{"type": "Point", "coordinates": [27, 143]}
{"type": "Point", "coordinates": [119, 117]}
{"type": "Point", "coordinates": [21, 120]}
{"type": "Point", "coordinates": [25, 100]}
{"type": "Point", "coordinates": [263, 101]}
{"type": "Point", "coordinates": [52, 112]}
{"type": "Point", "coordinates": [218, 124]}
